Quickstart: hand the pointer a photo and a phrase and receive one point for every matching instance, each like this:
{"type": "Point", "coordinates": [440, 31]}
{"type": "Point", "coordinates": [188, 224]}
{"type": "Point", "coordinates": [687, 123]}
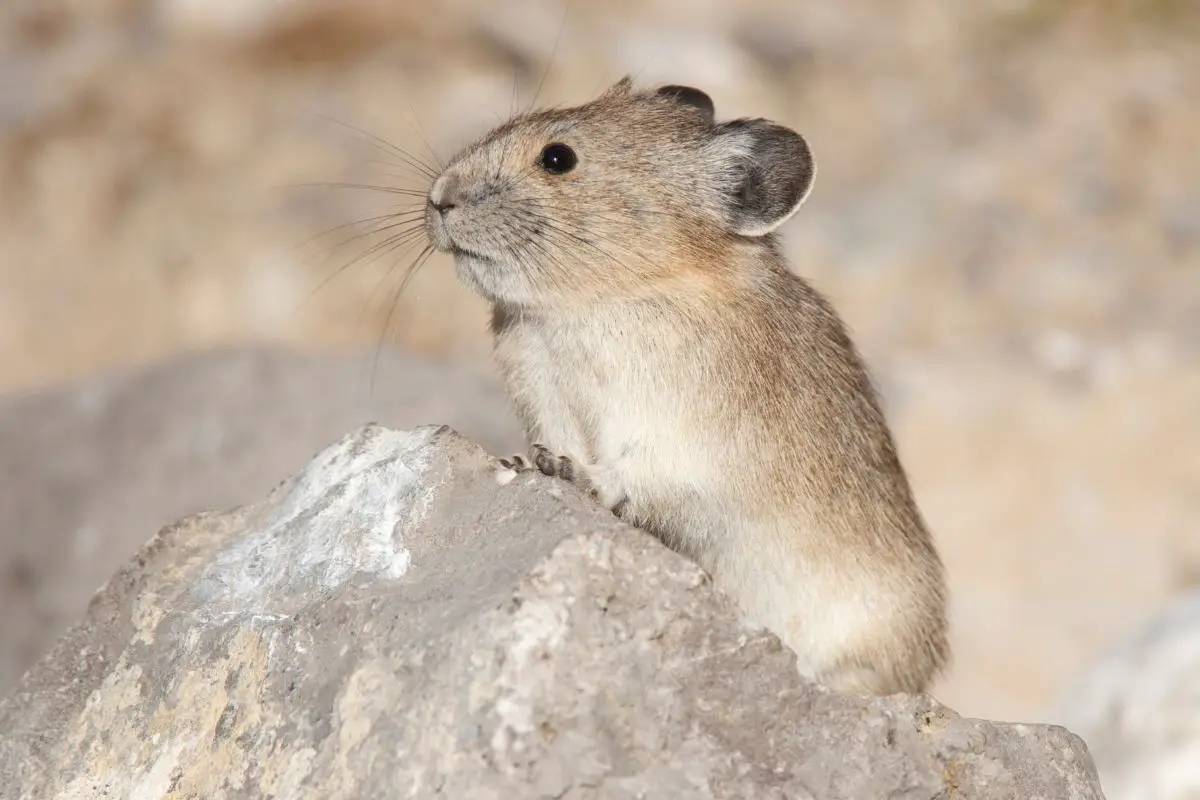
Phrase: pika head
{"type": "Point", "coordinates": [614, 198]}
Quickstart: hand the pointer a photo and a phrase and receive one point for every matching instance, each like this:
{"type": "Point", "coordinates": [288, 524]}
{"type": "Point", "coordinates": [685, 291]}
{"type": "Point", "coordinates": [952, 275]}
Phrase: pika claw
{"type": "Point", "coordinates": [517, 463]}
{"type": "Point", "coordinates": [554, 466]}
{"type": "Point", "coordinates": [566, 469]}
{"type": "Point", "coordinates": [546, 461]}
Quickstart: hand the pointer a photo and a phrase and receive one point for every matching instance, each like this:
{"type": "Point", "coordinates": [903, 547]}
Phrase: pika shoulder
{"type": "Point", "coordinates": [661, 354]}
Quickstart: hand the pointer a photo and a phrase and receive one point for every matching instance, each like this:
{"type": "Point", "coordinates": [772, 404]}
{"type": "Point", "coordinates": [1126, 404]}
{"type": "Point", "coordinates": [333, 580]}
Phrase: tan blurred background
{"type": "Point", "coordinates": [1007, 213]}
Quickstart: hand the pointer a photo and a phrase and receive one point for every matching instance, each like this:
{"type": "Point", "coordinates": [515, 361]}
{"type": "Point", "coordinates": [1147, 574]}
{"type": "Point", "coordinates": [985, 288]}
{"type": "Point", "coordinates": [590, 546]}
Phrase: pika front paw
{"type": "Point", "coordinates": [594, 481]}
{"type": "Point", "coordinates": [541, 459]}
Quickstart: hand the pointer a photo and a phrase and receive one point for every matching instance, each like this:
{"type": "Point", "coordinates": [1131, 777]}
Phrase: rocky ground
{"type": "Point", "coordinates": [1007, 212]}
{"type": "Point", "coordinates": [405, 619]}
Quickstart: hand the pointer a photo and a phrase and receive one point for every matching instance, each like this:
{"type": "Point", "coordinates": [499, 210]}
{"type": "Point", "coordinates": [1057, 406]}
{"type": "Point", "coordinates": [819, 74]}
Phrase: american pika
{"type": "Point", "coordinates": [661, 354]}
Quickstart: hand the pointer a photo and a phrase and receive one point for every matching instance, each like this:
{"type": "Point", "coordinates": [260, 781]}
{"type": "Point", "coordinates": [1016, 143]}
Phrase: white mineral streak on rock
{"type": "Point", "coordinates": [346, 515]}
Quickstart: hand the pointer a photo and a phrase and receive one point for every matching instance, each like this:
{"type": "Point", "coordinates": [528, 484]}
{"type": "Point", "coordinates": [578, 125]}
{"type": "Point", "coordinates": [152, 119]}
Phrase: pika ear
{"type": "Point", "coordinates": [772, 171]}
{"type": "Point", "coordinates": [689, 96]}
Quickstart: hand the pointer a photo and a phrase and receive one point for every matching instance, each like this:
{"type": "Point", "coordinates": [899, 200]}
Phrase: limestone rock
{"type": "Point", "coordinates": [406, 619]}
{"type": "Point", "coordinates": [89, 470]}
{"type": "Point", "coordinates": [1139, 704]}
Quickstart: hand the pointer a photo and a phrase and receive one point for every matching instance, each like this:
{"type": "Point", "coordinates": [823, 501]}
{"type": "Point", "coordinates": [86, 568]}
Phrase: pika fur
{"type": "Point", "coordinates": [661, 355]}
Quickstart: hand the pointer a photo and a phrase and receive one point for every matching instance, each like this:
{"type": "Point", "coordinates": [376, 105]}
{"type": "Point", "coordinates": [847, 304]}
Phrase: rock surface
{"type": "Point", "coordinates": [1139, 708]}
{"type": "Point", "coordinates": [88, 471]}
{"type": "Point", "coordinates": [405, 619]}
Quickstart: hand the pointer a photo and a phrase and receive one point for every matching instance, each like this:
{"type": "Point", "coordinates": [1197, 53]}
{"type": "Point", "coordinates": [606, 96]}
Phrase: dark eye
{"type": "Point", "coordinates": [558, 158]}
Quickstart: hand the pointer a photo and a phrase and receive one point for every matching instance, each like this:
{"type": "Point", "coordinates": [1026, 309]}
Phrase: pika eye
{"type": "Point", "coordinates": [557, 158]}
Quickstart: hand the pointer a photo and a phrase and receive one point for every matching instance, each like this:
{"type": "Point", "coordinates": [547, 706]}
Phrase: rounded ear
{"type": "Point", "coordinates": [772, 174]}
{"type": "Point", "coordinates": [688, 96]}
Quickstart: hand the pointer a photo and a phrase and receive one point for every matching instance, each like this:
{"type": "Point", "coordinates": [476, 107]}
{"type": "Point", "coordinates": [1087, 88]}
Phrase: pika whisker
{"type": "Point", "coordinates": [409, 273]}
{"type": "Point", "coordinates": [387, 148]}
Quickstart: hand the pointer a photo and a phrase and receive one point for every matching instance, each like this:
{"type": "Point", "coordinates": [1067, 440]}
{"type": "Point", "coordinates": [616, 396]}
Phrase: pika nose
{"type": "Point", "coordinates": [444, 193]}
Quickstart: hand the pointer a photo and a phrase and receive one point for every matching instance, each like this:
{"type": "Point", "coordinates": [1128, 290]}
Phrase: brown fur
{"type": "Point", "coordinates": [650, 331]}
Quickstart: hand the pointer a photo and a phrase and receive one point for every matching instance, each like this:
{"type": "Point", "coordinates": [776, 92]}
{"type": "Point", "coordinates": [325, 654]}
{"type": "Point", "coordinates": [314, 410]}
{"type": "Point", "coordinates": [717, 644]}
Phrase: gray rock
{"type": "Point", "coordinates": [406, 619]}
{"type": "Point", "coordinates": [1139, 706]}
{"type": "Point", "coordinates": [88, 471]}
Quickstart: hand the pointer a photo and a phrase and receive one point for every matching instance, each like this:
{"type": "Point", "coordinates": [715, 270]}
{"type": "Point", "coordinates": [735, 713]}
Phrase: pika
{"type": "Point", "coordinates": [661, 354]}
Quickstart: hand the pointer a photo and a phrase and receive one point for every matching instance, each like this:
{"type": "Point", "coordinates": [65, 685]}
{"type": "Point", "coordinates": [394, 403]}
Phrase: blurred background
{"type": "Point", "coordinates": [1007, 214]}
